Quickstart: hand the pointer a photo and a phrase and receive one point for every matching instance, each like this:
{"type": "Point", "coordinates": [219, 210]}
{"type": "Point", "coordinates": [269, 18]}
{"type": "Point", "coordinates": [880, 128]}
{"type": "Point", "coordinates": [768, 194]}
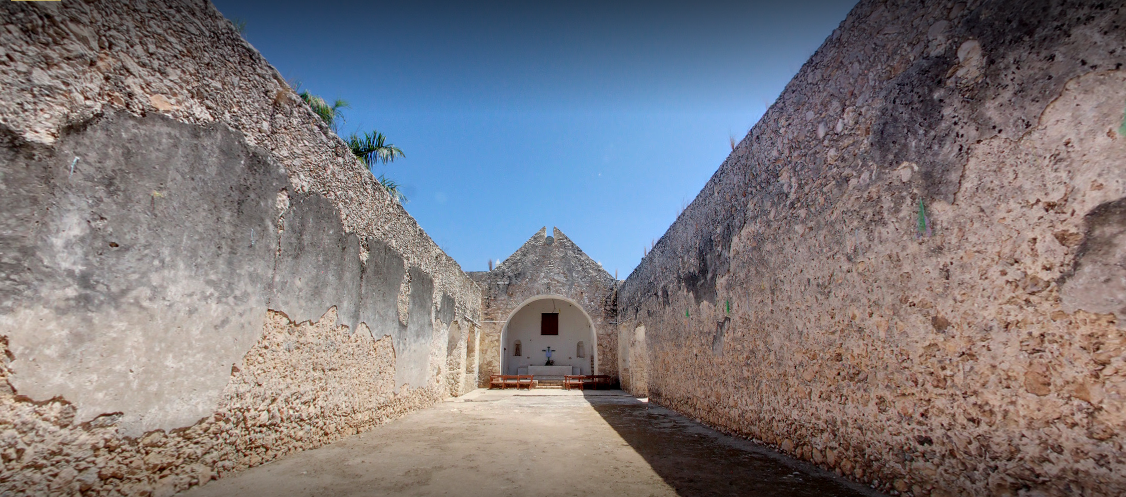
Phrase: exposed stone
{"type": "Point", "coordinates": [993, 332]}
{"type": "Point", "coordinates": [970, 62]}
{"type": "Point", "coordinates": [143, 297]}
{"type": "Point", "coordinates": [1037, 380]}
{"type": "Point", "coordinates": [928, 298]}
{"type": "Point", "coordinates": [1098, 281]}
{"type": "Point", "coordinates": [940, 323]}
{"type": "Point", "coordinates": [161, 103]}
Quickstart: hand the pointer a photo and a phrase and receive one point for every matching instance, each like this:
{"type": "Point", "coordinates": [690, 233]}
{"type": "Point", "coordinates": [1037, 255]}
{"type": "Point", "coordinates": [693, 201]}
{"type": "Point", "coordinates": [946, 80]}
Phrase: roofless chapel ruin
{"type": "Point", "coordinates": [911, 271]}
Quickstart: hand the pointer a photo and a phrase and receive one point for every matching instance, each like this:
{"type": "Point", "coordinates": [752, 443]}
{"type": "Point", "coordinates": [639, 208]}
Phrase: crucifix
{"type": "Point", "coordinates": [549, 361]}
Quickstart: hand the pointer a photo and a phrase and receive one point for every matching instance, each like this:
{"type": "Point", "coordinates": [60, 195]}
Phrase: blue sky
{"type": "Point", "coordinates": [600, 118]}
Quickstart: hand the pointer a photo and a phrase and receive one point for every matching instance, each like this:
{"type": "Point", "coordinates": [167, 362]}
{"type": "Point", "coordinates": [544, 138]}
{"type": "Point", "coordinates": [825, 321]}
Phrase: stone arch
{"type": "Point", "coordinates": [592, 361]}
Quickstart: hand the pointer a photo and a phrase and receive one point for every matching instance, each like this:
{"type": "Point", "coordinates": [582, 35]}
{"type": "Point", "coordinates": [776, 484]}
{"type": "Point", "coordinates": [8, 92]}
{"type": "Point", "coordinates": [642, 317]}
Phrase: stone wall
{"type": "Point", "coordinates": [633, 360]}
{"type": "Point", "coordinates": [547, 266]}
{"type": "Point", "coordinates": [911, 271]}
{"type": "Point", "coordinates": [197, 276]}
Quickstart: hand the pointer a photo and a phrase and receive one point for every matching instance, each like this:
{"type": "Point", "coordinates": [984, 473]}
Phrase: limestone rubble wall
{"type": "Point", "coordinates": [910, 271]}
{"type": "Point", "coordinates": [633, 360]}
{"type": "Point", "coordinates": [196, 275]}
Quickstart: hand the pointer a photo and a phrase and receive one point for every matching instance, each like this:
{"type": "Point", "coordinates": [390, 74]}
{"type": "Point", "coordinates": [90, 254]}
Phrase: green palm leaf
{"type": "Point", "coordinates": [373, 147]}
{"type": "Point", "coordinates": [330, 114]}
{"type": "Point", "coordinates": [392, 189]}
{"type": "Point", "coordinates": [369, 148]}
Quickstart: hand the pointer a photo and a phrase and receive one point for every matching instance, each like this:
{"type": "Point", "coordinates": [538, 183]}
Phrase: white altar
{"type": "Point", "coordinates": [550, 372]}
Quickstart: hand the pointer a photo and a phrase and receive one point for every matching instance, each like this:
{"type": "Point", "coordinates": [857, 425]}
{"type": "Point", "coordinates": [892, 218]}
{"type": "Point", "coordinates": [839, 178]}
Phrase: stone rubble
{"type": "Point", "coordinates": [905, 273]}
{"type": "Point", "coordinates": [301, 385]}
{"type": "Point", "coordinates": [886, 277]}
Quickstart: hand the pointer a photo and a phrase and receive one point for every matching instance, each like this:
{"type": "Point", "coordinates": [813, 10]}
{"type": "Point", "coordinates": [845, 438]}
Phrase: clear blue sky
{"type": "Point", "coordinates": [601, 118]}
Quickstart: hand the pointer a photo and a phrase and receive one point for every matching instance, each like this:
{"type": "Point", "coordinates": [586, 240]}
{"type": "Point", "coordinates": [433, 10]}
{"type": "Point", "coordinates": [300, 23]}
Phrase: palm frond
{"type": "Point", "coordinates": [392, 189]}
{"type": "Point", "coordinates": [373, 147]}
{"type": "Point", "coordinates": [330, 114]}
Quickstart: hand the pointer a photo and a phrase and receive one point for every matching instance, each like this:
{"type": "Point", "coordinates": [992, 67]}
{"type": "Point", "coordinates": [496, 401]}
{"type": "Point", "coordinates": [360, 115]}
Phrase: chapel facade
{"type": "Point", "coordinates": [549, 305]}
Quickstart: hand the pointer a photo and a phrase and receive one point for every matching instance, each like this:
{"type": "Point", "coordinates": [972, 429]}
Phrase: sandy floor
{"type": "Point", "coordinates": [538, 443]}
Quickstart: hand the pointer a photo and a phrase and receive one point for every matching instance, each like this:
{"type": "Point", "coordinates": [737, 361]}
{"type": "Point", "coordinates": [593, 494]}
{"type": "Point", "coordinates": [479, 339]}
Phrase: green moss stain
{"type": "Point", "coordinates": [924, 223]}
{"type": "Point", "coordinates": [1122, 129]}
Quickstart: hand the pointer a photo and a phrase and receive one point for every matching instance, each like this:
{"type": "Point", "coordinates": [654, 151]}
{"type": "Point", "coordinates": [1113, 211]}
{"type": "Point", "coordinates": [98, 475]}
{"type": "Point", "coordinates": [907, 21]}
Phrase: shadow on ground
{"type": "Point", "coordinates": [696, 460]}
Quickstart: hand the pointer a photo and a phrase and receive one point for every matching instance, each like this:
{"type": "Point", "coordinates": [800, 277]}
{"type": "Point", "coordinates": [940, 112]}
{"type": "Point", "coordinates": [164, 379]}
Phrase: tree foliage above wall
{"type": "Point", "coordinates": [369, 147]}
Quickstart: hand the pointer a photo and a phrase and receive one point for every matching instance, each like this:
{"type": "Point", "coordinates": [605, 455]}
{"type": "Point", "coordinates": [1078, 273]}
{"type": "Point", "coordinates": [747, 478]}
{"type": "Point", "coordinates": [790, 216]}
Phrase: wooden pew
{"type": "Point", "coordinates": [573, 381]}
{"type": "Point", "coordinates": [525, 380]}
{"type": "Point", "coordinates": [496, 381]}
{"type": "Point", "coordinates": [503, 381]}
{"type": "Point", "coordinates": [582, 382]}
{"type": "Point", "coordinates": [601, 381]}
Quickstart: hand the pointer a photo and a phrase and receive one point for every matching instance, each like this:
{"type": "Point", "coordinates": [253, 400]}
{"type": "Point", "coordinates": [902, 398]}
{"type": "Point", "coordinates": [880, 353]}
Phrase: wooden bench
{"type": "Point", "coordinates": [600, 381]}
{"type": "Point", "coordinates": [525, 380]}
{"type": "Point", "coordinates": [503, 381]}
{"type": "Point", "coordinates": [573, 381]}
{"type": "Point", "coordinates": [582, 382]}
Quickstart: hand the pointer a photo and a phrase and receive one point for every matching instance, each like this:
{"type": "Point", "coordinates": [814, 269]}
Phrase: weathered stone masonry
{"type": "Point", "coordinates": [910, 271]}
{"type": "Point", "coordinates": [196, 276]}
{"type": "Point", "coordinates": [798, 300]}
{"type": "Point", "coordinates": [547, 266]}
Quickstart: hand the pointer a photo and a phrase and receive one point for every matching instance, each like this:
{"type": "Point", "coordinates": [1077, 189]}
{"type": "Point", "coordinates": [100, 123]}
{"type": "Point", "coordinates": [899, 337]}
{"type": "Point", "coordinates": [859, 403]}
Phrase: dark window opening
{"type": "Point", "coordinates": [549, 323]}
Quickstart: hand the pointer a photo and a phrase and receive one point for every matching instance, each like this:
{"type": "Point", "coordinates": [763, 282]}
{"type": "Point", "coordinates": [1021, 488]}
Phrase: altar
{"type": "Point", "coordinates": [559, 371]}
{"type": "Point", "coordinates": [548, 372]}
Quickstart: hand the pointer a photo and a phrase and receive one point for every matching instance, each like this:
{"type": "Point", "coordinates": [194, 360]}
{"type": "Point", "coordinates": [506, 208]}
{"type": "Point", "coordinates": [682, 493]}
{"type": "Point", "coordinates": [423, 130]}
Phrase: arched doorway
{"type": "Point", "coordinates": [529, 329]}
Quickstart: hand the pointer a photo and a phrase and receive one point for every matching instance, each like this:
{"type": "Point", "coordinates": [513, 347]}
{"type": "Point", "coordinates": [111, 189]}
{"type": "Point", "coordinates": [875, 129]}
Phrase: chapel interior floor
{"type": "Point", "coordinates": [540, 442]}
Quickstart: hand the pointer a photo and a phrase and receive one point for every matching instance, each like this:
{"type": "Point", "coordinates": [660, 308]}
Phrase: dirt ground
{"type": "Point", "coordinates": [542, 442]}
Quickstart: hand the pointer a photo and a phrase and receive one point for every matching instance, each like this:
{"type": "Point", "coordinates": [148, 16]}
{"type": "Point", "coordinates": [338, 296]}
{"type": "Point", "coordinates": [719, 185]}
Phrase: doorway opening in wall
{"type": "Point", "coordinates": [549, 324]}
